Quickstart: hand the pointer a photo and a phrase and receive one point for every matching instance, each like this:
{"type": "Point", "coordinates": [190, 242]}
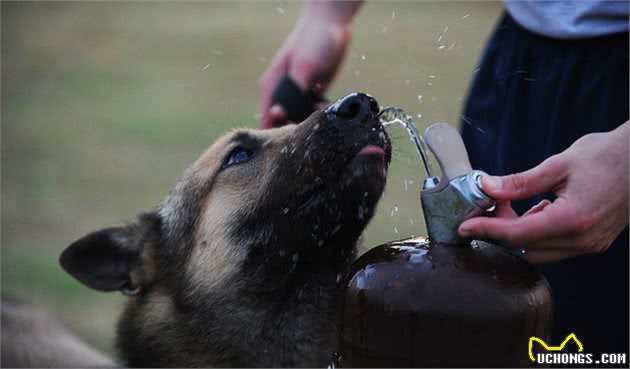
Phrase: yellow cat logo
{"type": "Point", "coordinates": [553, 348]}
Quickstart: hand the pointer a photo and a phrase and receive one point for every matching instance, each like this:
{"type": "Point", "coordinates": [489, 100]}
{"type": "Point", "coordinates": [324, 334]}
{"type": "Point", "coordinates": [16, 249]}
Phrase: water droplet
{"type": "Point", "coordinates": [285, 210]}
{"type": "Point", "coordinates": [206, 67]}
{"type": "Point", "coordinates": [418, 115]}
{"type": "Point", "coordinates": [420, 99]}
{"type": "Point", "coordinates": [466, 16]}
{"type": "Point", "coordinates": [441, 47]}
{"type": "Point", "coordinates": [362, 57]}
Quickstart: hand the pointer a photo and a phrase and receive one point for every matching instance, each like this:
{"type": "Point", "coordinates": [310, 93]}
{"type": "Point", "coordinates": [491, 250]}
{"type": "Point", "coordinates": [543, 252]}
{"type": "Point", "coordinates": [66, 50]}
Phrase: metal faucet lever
{"type": "Point", "coordinates": [457, 195]}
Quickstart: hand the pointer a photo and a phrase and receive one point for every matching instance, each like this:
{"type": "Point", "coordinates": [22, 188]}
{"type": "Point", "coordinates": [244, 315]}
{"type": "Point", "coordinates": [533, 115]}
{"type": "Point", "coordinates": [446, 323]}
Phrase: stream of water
{"type": "Point", "coordinates": [395, 115]}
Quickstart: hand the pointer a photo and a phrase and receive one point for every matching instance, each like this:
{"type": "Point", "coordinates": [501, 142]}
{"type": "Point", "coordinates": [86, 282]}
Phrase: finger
{"type": "Point", "coordinates": [542, 178]}
{"type": "Point", "coordinates": [274, 117]}
{"type": "Point", "coordinates": [277, 114]}
{"type": "Point", "coordinates": [267, 83]}
{"type": "Point", "coordinates": [504, 210]}
{"type": "Point", "coordinates": [538, 207]}
{"type": "Point", "coordinates": [531, 230]}
{"type": "Point", "coordinates": [549, 255]}
{"type": "Point", "coordinates": [266, 121]}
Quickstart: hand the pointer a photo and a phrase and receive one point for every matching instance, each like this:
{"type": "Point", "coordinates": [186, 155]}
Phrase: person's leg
{"type": "Point", "coordinates": [532, 98]}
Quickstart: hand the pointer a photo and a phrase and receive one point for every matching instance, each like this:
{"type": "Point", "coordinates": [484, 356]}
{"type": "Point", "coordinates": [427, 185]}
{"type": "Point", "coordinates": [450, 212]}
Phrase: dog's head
{"type": "Point", "coordinates": [256, 210]}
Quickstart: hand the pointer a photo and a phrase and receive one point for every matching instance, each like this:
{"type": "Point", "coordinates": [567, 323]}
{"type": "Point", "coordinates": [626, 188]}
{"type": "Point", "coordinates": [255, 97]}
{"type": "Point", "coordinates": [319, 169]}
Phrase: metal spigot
{"type": "Point", "coordinates": [457, 195]}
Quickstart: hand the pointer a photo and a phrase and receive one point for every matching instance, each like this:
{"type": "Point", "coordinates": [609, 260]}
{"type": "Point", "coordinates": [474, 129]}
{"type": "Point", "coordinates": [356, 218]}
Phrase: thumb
{"type": "Point", "coordinates": [542, 178]}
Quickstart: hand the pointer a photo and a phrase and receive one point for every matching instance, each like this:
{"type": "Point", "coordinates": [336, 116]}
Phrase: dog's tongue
{"type": "Point", "coordinates": [372, 150]}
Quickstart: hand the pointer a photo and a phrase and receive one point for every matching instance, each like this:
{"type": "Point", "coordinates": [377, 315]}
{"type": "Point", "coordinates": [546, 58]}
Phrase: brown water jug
{"type": "Point", "coordinates": [415, 303]}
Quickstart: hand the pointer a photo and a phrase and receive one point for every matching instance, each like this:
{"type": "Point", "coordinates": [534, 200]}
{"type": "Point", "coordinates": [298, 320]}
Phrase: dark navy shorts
{"type": "Point", "coordinates": [531, 98]}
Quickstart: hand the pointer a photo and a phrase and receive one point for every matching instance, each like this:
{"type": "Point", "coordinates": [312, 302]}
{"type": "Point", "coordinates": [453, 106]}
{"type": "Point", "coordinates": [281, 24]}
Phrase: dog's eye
{"type": "Point", "coordinates": [237, 156]}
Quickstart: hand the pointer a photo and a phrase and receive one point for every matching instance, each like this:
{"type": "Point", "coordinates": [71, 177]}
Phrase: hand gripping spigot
{"type": "Point", "coordinates": [458, 195]}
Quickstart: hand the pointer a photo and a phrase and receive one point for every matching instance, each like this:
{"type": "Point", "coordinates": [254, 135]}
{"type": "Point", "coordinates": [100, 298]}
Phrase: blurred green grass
{"type": "Point", "coordinates": [105, 103]}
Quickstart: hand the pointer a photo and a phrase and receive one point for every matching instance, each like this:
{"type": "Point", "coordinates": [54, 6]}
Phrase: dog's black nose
{"type": "Point", "coordinates": [355, 108]}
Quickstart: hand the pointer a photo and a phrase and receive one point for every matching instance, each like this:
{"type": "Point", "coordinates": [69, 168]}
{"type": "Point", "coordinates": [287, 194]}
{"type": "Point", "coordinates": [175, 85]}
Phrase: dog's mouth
{"type": "Point", "coordinates": [346, 144]}
{"type": "Point", "coordinates": [372, 150]}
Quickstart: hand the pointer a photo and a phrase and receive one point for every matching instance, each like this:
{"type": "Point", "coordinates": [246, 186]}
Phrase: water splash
{"type": "Point", "coordinates": [395, 115]}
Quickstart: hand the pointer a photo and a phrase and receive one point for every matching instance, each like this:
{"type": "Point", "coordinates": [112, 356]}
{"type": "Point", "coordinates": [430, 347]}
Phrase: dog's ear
{"type": "Point", "coordinates": [111, 259]}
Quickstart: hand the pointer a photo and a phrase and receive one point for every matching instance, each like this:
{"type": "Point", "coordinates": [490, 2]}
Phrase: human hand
{"type": "Point", "coordinates": [311, 55]}
{"type": "Point", "coordinates": [590, 180]}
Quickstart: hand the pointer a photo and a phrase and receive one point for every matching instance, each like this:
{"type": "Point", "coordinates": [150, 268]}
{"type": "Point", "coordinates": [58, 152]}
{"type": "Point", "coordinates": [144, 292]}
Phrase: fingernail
{"type": "Point", "coordinates": [465, 231]}
{"type": "Point", "coordinates": [492, 182]}
{"type": "Point", "coordinates": [275, 109]}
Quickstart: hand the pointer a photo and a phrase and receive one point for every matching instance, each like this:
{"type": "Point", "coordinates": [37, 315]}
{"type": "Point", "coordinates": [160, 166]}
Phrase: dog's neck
{"type": "Point", "coordinates": [286, 319]}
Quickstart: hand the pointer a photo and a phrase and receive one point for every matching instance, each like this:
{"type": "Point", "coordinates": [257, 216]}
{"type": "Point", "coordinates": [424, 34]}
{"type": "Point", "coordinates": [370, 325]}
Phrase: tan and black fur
{"type": "Point", "coordinates": [241, 264]}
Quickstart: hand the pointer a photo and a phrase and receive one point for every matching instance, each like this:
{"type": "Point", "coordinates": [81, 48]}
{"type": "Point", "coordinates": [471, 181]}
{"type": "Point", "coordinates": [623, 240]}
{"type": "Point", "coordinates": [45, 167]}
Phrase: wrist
{"type": "Point", "coordinates": [331, 12]}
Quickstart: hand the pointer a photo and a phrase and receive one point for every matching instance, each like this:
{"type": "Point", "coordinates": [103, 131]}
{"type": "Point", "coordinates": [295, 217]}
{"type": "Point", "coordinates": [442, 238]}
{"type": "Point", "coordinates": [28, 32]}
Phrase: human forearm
{"type": "Point", "coordinates": [335, 11]}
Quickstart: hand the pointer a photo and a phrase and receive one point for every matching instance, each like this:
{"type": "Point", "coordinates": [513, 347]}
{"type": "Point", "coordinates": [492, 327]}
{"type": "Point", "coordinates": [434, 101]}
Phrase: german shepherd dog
{"type": "Point", "coordinates": [242, 264]}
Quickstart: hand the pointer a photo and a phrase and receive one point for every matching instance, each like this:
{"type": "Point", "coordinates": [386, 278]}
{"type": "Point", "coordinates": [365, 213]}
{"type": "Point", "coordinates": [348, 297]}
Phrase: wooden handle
{"type": "Point", "coordinates": [448, 148]}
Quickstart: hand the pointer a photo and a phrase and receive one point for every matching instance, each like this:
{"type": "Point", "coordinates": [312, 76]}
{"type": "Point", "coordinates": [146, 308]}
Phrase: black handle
{"type": "Point", "coordinates": [297, 103]}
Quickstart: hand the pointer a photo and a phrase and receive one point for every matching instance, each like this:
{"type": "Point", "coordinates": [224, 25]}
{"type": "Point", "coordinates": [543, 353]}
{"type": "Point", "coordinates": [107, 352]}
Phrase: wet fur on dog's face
{"type": "Point", "coordinates": [241, 264]}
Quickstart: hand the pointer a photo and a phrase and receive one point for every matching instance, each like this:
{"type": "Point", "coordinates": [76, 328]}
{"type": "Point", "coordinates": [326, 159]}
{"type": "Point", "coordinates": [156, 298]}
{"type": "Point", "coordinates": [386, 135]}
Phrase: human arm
{"type": "Point", "coordinates": [311, 55]}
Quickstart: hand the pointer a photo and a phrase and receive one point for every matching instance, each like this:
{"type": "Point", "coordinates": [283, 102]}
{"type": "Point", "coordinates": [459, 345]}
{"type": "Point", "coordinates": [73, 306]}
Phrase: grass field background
{"type": "Point", "coordinates": [105, 103]}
